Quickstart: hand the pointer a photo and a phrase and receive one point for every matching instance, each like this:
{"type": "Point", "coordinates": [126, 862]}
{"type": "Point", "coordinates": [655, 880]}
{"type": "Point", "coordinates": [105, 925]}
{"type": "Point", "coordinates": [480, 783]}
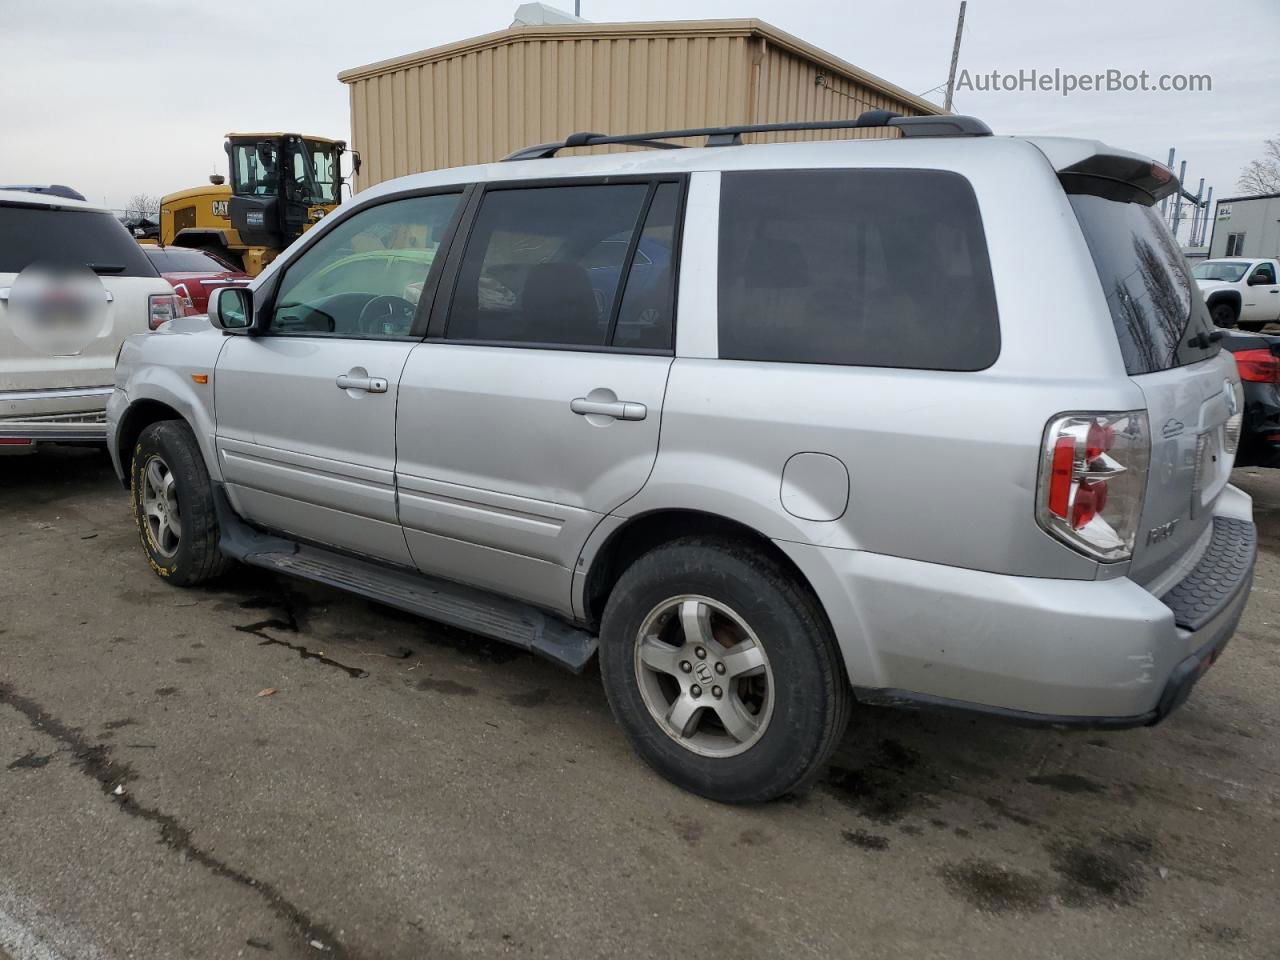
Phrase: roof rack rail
{"type": "Point", "coordinates": [936, 126]}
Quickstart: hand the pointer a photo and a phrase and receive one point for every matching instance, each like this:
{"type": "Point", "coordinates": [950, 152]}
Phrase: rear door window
{"type": "Point", "coordinates": [585, 265]}
{"type": "Point", "coordinates": [879, 268]}
{"type": "Point", "coordinates": [1155, 304]}
{"type": "Point", "coordinates": [69, 238]}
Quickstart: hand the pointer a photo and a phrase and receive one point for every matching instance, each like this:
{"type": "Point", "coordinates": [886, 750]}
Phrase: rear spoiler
{"type": "Point", "coordinates": [1093, 168]}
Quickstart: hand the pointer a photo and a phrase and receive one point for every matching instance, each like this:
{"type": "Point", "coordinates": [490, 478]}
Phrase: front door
{"type": "Point", "coordinates": [306, 411]}
{"type": "Point", "coordinates": [1261, 295]}
{"type": "Point", "coordinates": [533, 410]}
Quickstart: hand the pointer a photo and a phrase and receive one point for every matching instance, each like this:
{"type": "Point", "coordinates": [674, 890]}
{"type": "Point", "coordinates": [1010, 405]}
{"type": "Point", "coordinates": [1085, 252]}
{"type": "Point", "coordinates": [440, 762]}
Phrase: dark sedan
{"type": "Point", "coordinates": [1258, 360]}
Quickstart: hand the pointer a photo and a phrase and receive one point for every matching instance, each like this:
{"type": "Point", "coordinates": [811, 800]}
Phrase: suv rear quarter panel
{"type": "Point", "coordinates": [942, 465]}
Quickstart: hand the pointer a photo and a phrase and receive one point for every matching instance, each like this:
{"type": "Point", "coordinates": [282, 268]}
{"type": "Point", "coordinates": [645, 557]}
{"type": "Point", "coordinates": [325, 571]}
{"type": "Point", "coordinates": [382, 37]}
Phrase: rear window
{"type": "Point", "coordinates": [171, 260]}
{"type": "Point", "coordinates": [1155, 304]}
{"type": "Point", "coordinates": [69, 238]}
{"type": "Point", "coordinates": [878, 268]}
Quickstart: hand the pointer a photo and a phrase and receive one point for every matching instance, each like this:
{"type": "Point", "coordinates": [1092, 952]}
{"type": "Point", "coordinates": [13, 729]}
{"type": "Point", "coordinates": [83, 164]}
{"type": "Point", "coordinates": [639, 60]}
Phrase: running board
{"type": "Point", "coordinates": [443, 601]}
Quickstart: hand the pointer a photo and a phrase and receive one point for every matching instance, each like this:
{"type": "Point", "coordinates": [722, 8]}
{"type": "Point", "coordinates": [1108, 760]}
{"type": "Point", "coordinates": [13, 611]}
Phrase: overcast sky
{"type": "Point", "coordinates": [116, 97]}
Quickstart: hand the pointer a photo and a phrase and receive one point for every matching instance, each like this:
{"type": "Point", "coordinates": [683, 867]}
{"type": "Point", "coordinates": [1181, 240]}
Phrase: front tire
{"type": "Point", "coordinates": [1223, 315]}
{"type": "Point", "coordinates": [173, 505]}
{"type": "Point", "coordinates": [722, 671]}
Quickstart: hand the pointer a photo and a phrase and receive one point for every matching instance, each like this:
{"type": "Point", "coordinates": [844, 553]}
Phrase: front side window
{"type": "Point", "coordinates": [544, 265]}
{"type": "Point", "coordinates": [879, 268]}
{"type": "Point", "coordinates": [253, 169]}
{"type": "Point", "coordinates": [365, 276]}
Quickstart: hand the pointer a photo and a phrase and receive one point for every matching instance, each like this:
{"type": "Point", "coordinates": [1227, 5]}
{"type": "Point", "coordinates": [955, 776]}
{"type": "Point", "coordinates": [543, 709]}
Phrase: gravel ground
{"type": "Point", "coordinates": [411, 791]}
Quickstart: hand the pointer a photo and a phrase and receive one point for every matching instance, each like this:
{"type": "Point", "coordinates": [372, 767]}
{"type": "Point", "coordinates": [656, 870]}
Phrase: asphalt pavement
{"type": "Point", "coordinates": [267, 768]}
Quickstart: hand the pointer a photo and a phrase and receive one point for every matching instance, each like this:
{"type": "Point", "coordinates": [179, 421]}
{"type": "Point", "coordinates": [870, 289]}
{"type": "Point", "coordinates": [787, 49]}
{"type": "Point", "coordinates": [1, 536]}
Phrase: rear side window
{"type": "Point", "coordinates": [546, 265]}
{"type": "Point", "coordinates": [878, 268]}
{"type": "Point", "coordinates": [1155, 304]}
{"type": "Point", "coordinates": [69, 238]}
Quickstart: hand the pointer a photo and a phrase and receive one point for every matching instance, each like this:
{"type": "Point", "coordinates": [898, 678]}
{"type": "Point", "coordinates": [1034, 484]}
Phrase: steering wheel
{"type": "Point", "coordinates": [386, 314]}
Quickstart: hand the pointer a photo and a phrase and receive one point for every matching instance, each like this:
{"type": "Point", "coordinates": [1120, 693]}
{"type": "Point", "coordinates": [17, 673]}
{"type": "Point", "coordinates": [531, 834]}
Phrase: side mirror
{"type": "Point", "coordinates": [231, 309]}
{"type": "Point", "coordinates": [1259, 279]}
{"type": "Point", "coordinates": [355, 162]}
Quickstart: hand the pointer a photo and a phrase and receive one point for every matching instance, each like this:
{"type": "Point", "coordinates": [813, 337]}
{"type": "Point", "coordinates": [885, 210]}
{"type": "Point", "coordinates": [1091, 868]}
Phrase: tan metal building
{"type": "Point", "coordinates": [480, 99]}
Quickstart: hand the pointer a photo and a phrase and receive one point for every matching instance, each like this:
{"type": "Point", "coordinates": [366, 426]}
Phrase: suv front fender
{"type": "Point", "coordinates": [161, 377]}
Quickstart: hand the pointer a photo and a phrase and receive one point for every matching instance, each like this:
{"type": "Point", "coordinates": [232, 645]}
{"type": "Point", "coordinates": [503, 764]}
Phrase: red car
{"type": "Point", "coordinates": [194, 274]}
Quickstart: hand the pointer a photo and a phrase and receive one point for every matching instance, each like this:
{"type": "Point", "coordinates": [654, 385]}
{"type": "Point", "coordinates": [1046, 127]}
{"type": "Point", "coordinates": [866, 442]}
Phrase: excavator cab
{"type": "Point", "coordinates": [282, 184]}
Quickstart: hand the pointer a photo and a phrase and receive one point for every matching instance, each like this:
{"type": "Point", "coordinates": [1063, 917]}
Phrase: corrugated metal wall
{"type": "Point", "coordinates": [479, 104]}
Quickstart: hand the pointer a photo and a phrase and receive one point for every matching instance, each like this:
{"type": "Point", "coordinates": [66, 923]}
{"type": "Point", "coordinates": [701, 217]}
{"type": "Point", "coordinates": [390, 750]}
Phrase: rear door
{"type": "Point", "coordinates": [533, 409]}
{"type": "Point", "coordinates": [1191, 386]}
{"type": "Point", "coordinates": [306, 412]}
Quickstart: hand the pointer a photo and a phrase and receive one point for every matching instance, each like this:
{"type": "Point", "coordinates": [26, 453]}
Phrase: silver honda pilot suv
{"type": "Point", "coordinates": [935, 421]}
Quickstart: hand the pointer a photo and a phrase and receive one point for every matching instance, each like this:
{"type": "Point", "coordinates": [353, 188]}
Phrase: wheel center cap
{"type": "Point", "coordinates": [702, 670]}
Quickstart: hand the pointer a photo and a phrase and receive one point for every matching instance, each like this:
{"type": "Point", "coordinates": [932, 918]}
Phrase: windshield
{"type": "Point", "coordinates": [318, 163]}
{"type": "Point", "coordinates": [1228, 270]}
{"type": "Point", "coordinates": [1155, 304]}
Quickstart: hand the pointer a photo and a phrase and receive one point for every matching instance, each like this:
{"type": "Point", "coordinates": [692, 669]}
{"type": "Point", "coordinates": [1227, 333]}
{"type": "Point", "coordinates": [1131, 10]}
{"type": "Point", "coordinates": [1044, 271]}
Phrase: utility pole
{"type": "Point", "coordinates": [955, 58]}
{"type": "Point", "coordinates": [577, 8]}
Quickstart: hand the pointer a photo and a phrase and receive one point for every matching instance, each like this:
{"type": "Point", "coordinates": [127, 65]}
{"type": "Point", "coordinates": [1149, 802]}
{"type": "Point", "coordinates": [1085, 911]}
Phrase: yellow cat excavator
{"type": "Point", "coordinates": [281, 185]}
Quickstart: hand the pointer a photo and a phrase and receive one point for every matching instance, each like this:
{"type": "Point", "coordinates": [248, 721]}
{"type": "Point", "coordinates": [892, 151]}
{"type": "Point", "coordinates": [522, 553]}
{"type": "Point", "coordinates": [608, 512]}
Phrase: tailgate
{"type": "Point", "coordinates": [25, 365]}
{"type": "Point", "coordinates": [1188, 408]}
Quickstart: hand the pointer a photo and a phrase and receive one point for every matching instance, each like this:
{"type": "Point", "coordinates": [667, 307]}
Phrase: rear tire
{"type": "Point", "coordinates": [172, 499]}
{"type": "Point", "coordinates": [722, 671]}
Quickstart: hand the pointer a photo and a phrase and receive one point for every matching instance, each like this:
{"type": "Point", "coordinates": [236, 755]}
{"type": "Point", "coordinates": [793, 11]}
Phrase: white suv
{"type": "Point", "coordinates": [73, 285]}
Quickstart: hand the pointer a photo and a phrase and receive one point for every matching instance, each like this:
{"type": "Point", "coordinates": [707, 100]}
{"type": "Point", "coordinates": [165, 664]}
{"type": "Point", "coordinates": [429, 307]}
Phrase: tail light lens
{"type": "Point", "coordinates": [1258, 366]}
{"type": "Point", "coordinates": [1093, 475]}
{"type": "Point", "coordinates": [161, 307]}
{"type": "Point", "coordinates": [1235, 423]}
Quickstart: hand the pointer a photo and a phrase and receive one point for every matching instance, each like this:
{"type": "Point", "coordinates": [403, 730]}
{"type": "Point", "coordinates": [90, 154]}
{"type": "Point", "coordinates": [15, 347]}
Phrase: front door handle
{"type": "Point", "coordinates": [618, 409]}
{"type": "Point", "coordinates": [368, 384]}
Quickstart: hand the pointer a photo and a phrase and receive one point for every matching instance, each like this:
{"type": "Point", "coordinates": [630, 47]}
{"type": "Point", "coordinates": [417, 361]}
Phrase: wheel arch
{"type": "Point", "coordinates": [642, 533]}
{"type": "Point", "coordinates": [139, 415]}
{"type": "Point", "coordinates": [1230, 297]}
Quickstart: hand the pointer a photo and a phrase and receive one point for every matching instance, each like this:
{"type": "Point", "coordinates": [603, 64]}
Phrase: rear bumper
{"type": "Point", "coordinates": [1069, 653]}
{"type": "Point", "coordinates": [66, 414]}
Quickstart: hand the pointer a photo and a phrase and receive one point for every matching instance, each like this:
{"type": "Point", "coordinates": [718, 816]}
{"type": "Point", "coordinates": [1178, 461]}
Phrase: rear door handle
{"type": "Point", "coordinates": [368, 384]}
{"type": "Point", "coordinates": [618, 409]}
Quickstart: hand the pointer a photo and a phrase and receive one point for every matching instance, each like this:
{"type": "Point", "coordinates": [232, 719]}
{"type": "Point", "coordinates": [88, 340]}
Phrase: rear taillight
{"type": "Point", "coordinates": [1258, 366]}
{"type": "Point", "coordinates": [161, 307]}
{"type": "Point", "coordinates": [1093, 474]}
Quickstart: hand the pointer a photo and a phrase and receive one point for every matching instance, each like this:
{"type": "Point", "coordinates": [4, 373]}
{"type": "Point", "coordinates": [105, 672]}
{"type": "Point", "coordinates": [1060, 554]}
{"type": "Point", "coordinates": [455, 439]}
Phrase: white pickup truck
{"type": "Point", "coordinates": [1240, 291]}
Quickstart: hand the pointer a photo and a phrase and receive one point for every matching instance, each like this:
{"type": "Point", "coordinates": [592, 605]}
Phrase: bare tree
{"type": "Point", "coordinates": [142, 205]}
{"type": "Point", "coordinates": [1263, 176]}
